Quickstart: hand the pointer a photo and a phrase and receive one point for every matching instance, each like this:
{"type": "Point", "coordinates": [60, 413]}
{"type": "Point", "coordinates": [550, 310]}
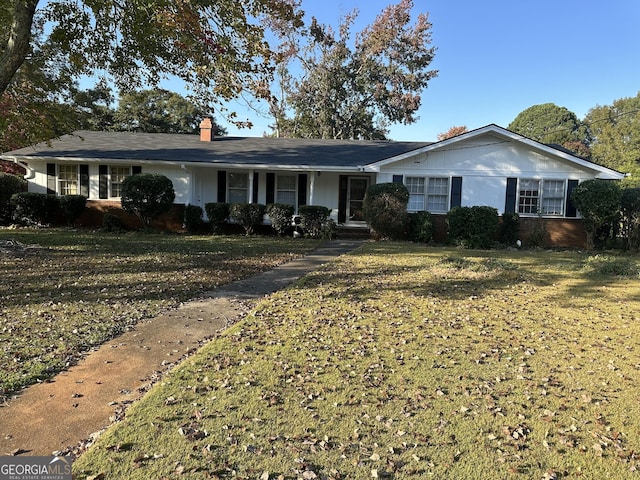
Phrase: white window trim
{"type": "Point", "coordinates": [110, 180]}
{"type": "Point", "coordinates": [295, 188]}
{"type": "Point", "coordinates": [426, 194]}
{"type": "Point", "coordinates": [247, 189]}
{"type": "Point", "coordinates": [540, 197]}
{"type": "Point", "coordinates": [59, 179]}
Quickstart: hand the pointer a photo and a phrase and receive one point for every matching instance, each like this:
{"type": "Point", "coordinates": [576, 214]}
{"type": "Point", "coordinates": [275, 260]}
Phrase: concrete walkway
{"type": "Point", "coordinates": [65, 415]}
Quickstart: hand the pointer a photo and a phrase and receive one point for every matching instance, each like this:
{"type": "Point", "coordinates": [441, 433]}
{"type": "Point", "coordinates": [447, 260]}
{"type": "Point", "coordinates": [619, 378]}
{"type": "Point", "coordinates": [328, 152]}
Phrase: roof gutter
{"type": "Point", "coordinates": [183, 165]}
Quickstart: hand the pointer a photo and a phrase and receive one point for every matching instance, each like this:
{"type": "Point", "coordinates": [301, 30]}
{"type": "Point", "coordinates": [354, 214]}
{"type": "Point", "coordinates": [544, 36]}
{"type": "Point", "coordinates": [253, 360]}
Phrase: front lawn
{"type": "Point", "coordinates": [66, 291]}
{"type": "Point", "coordinates": [402, 361]}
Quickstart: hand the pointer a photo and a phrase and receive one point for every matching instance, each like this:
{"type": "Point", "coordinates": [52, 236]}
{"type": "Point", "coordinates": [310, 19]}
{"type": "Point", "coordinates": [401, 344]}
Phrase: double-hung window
{"type": "Point", "coordinates": [431, 194]}
{"type": "Point", "coordinates": [552, 197]}
{"type": "Point", "coordinates": [68, 180]}
{"type": "Point", "coordinates": [116, 177]}
{"type": "Point", "coordinates": [237, 187]}
{"type": "Point", "coordinates": [545, 197]}
{"type": "Point", "coordinates": [437, 194]}
{"type": "Point", "coordinates": [286, 189]}
{"type": "Point", "coordinates": [415, 185]}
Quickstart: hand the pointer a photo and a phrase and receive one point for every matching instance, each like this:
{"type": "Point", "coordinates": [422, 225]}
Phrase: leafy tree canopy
{"type": "Point", "coordinates": [93, 107]}
{"type": "Point", "coordinates": [354, 92]}
{"type": "Point", "coordinates": [550, 124]}
{"type": "Point", "coordinates": [616, 137]}
{"type": "Point", "coordinates": [159, 111]}
{"type": "Point", "coordinates": [453, 132]}
{"type": "Point", "coordinates": [217, 48]}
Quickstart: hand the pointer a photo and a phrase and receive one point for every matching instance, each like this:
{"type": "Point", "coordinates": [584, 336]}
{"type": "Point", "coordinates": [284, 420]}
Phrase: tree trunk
{"type": "Point", "coordinates": [18, 41]}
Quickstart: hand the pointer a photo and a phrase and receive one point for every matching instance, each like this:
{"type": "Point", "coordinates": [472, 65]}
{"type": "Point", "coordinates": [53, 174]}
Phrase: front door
{"type": "Point", "coordinates": [355, 198]}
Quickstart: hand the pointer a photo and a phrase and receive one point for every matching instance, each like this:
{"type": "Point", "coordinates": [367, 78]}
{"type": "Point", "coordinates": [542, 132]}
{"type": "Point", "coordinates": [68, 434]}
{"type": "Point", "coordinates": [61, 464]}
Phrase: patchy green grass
{"type": "Point", "coordinates": [401, 361]}
{"type": "Point", "coordinates": [72, 290]}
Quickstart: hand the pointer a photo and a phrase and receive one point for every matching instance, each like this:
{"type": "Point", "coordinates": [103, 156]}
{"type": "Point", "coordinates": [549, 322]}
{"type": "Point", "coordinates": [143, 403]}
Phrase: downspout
{"type": "Point", "coordinates": [31, 173]}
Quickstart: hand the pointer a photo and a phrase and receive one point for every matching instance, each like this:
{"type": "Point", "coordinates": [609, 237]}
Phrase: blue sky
{"type": "Point", "coordinates": [496, 58]}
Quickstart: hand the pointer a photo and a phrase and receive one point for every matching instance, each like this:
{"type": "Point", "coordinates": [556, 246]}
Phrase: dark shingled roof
{"type": "Point", "coordinates": [87, 145]}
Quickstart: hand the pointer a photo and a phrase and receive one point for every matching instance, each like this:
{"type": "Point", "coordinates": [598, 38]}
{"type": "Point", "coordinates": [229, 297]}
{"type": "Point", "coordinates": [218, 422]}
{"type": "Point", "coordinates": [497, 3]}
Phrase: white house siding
{"type": "Point", "coordinates": [325, 192]}
{"type": "Point", "coordinates": [484, 164]}
{"type": "Point", "coordinates": [179, 177]}
{"type": "Point", "coordinates": [38, 184]}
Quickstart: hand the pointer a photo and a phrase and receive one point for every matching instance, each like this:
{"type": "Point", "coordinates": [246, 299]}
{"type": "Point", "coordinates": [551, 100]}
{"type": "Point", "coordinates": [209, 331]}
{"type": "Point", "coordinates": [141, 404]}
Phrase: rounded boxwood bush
{"type": "Point", "coordinates": [35, 208]}
{"type": "Point", "coordinates": [510, 228]}
{"type": "Point", "coordinates": [9, 185]}
{"type": "Point", "coordinates": [218, 214]}
{"type": "Point", "coordinates": [385, 209]}
{"type": "Point", "coordinates": [314, 219]}
{"type": "Point", "coordinates": [72, 207]}
{"type": "Point", "coordinates": [248, 215]}
{"type": "Point", "coordinates": [420, 227]}
{"type": "Point", "coordinates": [598, 201]}
{"type": "Point", "coordinates": [472, 227]}
{"type": "Point", "coordinates": [193, 220]}
{"type": "Point", "coordinates": [280, 215]}
{"type": "Point", "coordinates": [147, 195]}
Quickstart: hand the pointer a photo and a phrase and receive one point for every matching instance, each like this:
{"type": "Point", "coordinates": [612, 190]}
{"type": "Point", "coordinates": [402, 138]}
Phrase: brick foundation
{"type": "Point", "coordinates": [560, 232]}
{"type": "Point", "coordinates": [95, 211]}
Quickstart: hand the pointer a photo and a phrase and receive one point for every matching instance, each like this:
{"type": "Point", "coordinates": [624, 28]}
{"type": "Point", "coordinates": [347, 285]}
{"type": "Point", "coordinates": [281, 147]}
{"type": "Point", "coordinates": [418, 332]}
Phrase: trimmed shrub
{"type": "Point", "coordinates": [472, 227]}
{"type": "Point", "coordinates": [34, 208]}
{"type": "Point", "coordinates": [280, 215]}
{"type": "Point", "coordinates": [420, 227]}
{"type": "Point", "coordinates": [248, 215]}
{"type": "Point", "coordinates": [9, 186]}
{"type": "Point", "coordinates": [314, 221]}
{"type": "Point", "coordinates": [598, 201]}
{"type": "Point", "coordinates": [147, 195]}
{"type": "Point", "coordinates": [385, 209]}
{"type": "Point", "coordinates": [509, 228]}
{"type": "Point", "coordinates": [193, 219]}
{"type": "Point", "coordinates": [72, 207]}
{"type": "Point", "coordinates": [218, 214]}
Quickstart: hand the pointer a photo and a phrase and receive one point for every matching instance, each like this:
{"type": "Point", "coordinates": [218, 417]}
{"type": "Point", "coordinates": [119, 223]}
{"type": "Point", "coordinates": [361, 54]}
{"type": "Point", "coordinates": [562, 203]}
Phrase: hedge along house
{"type": "Point", "coordinates": [489, 166]}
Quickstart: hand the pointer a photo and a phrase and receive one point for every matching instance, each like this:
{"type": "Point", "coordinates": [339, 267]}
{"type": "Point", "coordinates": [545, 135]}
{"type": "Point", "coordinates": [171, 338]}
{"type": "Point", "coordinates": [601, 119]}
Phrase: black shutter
{"type": "Point", "coordinates": [302, 189]}
{"type": "Point", "coordinates": [510, 199]}
{"type": "Point", "coordinates": [398, 179]}
{"type": "Point", "coordinates": [103, 181]}
{"type": "Point", "coordinates": [254, 194]}
{"type": "Point", "coordinates": [51, 178]}
{"type": "Point", "coordinates": [222, 186]}
{"type": "Point", "coordinates": [342, 198]}
{"type": "Point", "coordinates": [84, 180]}
{"type": "Point", "coordinates": [456, 192]}
{"type": "Point", "coordinates": [271, 188]}
{"type": "Point", "coordinates": [570, 208]}
{"type": "Point", "coordinates": [136, 170]}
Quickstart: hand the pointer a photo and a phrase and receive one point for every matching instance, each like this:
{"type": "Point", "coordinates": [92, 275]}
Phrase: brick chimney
{"type": "Point", "coordinates": [206, 130]}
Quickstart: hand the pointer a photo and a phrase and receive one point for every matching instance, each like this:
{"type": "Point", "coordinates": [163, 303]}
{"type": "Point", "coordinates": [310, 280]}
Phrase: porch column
{"type": "Point", "coordinates": [250, 186]}
{"type": "Point", "coordinates": [312, 184]}
{"type": "Point", "coordinates": [190, 186]}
